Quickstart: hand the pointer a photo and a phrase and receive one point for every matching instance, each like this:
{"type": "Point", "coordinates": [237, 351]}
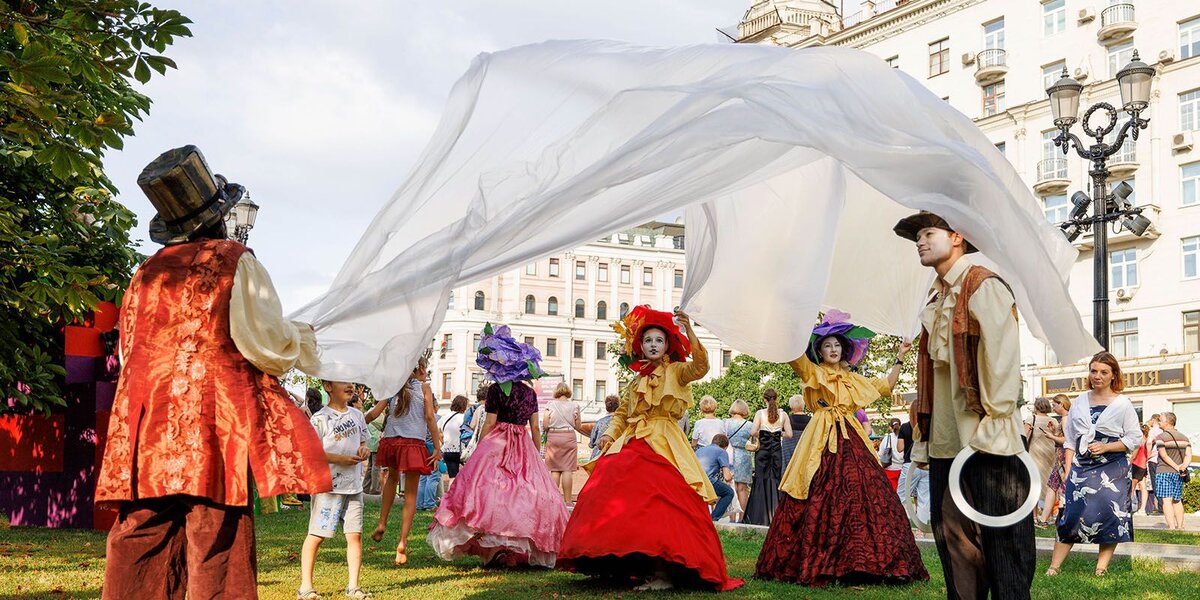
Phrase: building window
{"type": "Point", "coordinates": [1054, 17]}
{"type": "Point", "coordinates": [726, 358]}
{"type": "Point", "coordinates": [647, 276]}
{"type": "Point", "coordinates": [530, 305]}
{"type": "Point", "coordinates": [1056, 208]}
{"type": "Point", "coordinates": [1123, 338]}
{"type": "Point", "coordinates": [580, 270]}
{"type": "Point", "coordinates": [531, 269]}
{"type": "Point", "coordinates": [446, 386]}
{"type": "Point", "coordinates": [625, 274]}
{"type": "Point", "coordinates": [624, 309]}
{"type": "Point", "coordinates": [1055, 170]}
{"type": "Point", "coordinates": [1189, 38]}
{"type": "Point", "coordinates": [554, 267]}
{"type": "Point", "coordinates": [1000, 146]}
{"type": "Point", "coordinates": [1123, 268]}
{"type": "Point", "coordinates": [1189, 110]}
{"type": "Point", "coordinates": [475, 339]}
{"type": "Point", "coordinates": [1118, 57]}
{"type": "Point", "coordinates": [1191, 248]}
{"type": "Point", "coordinates": [939, 57]}
{"type": "Point", "coordinates": [894, 62]}
{"type": "Point", "coordinates": [1128, 151]}
{"type": "Point", "coordinates": [450, 304]}
{"type": "Point", "coordinates": [1190, 178]}
{"type": "Point", "coordinates": [577, 349]}
{"type": "Point", "coordinates": [993, 35]}
{"type": "Point", "coordinates": [602, 272]}
{"type": "Point", "coordinates": [1052, 73]}
{"type": "Point", "coordinates": [476, 381]}
{"type": "Point", "coordinates": [601, 390]}
{"type": "Point", "coordinates": [678, 278]}
{"type": "Point", "coordinates": [479, 300]}
{"type": "Point", "coordinates": [601, 351]}
{"type": "Point", "coordinates": [551, 347]}
{"type": "Point", "coordinates": [602, 310]}
{"type": "Point", "coordinates": [529, 340]}
{"type": "Point", "coordinates": [1191, 331]}
{"type": "Point", "coordinates": [577, 389]}
{"type": "Point", "coordinates": [552, 306]}
{"type": "Point", "coordinates": [579, 308]}
{"type": "Point", "coordinates": [993, 99]}
{"type": "Point", "coordinates": [448, 342]}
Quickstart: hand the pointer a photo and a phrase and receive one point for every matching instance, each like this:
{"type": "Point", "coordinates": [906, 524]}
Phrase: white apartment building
{"type": "Point", "coordinates": [565, 305]}
{"type": "Point", "coordinates": [993, 60]}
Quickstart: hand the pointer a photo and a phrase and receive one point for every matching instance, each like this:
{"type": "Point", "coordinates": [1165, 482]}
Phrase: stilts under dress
{"type": "Point", "coordinates": [838, 519]}
{"type": "Point", "coordinates": [503, 506]}
{"type": "Point", "coordinates": [647, 498]}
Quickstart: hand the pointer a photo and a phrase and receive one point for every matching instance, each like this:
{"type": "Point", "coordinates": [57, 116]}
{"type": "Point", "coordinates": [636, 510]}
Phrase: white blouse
{"type": "Point", "coordinates": [1119, 420]}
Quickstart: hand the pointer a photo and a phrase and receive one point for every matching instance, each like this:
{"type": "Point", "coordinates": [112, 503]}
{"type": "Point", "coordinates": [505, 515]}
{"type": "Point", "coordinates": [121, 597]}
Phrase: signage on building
{"type": "Point", "coordinates": [1135, 381]}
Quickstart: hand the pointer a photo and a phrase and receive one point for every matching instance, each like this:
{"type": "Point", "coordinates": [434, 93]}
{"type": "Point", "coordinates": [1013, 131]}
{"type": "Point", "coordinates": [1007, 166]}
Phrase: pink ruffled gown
{"type": "Point", "coordinates": [503, 506]}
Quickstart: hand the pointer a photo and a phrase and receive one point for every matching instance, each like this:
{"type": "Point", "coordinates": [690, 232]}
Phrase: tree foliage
{"type": "Point", "coordinates": [66, 96]}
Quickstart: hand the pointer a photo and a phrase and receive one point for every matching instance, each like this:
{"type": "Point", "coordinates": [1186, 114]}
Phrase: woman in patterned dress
{"type": "Point", "coordinates": [737, 429]}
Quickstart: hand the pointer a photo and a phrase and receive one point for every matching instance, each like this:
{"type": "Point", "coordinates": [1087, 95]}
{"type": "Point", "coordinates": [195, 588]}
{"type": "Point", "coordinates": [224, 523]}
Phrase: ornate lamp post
{"type": "Point", "coordinates": [1134, 81]}
{"type": "Point", "coordinates": [241, 218]}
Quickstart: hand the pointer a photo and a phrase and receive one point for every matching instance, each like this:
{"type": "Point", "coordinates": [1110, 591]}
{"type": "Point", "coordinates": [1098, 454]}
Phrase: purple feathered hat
{"type": "Point", "coordinates": [505, 359]}
{"type": "Point", "coordinates": [854, 339]}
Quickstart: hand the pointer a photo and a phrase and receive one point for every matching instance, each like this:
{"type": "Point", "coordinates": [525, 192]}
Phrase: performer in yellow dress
{"type": "Point", "coordinates": [643, 514]}
{"type": "Point", "coordinates": [839, 519]}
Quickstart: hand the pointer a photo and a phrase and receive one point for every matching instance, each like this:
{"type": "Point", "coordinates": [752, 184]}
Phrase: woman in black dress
{"type": "Point", "coordinates": [771, 427]}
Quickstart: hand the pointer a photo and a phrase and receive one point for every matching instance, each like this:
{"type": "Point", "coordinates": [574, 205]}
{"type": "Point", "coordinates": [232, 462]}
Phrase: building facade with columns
{"type": "Point", "coordinates": [565, 305]}
{"type": "Point", "coordinates": [993, 60]}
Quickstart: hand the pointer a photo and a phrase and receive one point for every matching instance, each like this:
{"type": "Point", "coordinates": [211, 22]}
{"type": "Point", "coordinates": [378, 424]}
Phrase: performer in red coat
{"type": "Point", "coordinates": [199, 408]}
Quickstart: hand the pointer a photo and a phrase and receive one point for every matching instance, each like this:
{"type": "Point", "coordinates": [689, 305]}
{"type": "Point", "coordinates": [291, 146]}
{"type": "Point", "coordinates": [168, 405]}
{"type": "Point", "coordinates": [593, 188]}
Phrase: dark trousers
{"type": "Point", "coordinates": [979, 560]}
{"type": "Point", "coordinates": [163, 547]}
{"type": "Point", "coordinates": [725, 496]}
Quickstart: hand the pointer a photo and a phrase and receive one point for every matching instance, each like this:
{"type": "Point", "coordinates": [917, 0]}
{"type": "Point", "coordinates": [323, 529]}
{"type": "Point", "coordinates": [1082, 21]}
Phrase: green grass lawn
{"type": "Point", "coordinates": [59, 564]}
{"type": "Point", "coordinates": [1144, 536]}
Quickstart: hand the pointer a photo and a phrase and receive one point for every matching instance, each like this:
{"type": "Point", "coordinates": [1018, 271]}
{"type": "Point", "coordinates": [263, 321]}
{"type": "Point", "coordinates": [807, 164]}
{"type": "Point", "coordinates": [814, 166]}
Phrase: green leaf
{"type": "Point", "coordinates": [506, 387]}
{"type": "Point", "coordinates": [21, 33]}
{"type": "Point", "coordinates": [142, 71]}
{"type": "Point", "coordinates": [487, 329]}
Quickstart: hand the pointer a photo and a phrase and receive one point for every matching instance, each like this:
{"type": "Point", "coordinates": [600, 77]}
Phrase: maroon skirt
{"type": "Point", "coordinates": [851, 528]}
{"type": "Point", "coordinates": [406, 455]}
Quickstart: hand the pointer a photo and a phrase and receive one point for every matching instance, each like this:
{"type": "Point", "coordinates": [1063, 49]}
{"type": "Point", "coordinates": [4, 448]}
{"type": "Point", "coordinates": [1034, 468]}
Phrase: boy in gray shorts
{"type": "Point", "coordinates": [343, 432]}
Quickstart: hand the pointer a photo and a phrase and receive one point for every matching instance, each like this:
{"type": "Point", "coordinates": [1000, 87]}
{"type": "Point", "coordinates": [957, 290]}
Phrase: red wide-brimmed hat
{"type": "Point", "coordinates": [631, 327]}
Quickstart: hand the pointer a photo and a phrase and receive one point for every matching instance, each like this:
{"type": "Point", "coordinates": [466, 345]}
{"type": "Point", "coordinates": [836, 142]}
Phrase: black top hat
{"type": "Point", "coordinates": [188, 197]}
{"type": "Point", "coordinates": [910, 226]}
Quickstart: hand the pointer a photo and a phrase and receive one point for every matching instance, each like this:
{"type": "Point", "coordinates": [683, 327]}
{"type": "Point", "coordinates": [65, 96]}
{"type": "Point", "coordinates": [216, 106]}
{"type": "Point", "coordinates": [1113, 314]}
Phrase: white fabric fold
{"type": "Point", "coordinates": [793, 166]}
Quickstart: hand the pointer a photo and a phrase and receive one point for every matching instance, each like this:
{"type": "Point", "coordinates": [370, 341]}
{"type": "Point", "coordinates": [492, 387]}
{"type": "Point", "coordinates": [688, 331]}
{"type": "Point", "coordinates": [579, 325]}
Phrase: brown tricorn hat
{"type": "Point", "coordinates": [910, 226]}
{"type": "Point", "coordinates": [186, 194]}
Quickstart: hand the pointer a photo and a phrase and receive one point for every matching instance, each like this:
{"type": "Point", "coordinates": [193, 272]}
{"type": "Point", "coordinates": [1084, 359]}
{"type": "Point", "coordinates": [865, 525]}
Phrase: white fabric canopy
{"type": "Point", "coordinates": [793, 166]}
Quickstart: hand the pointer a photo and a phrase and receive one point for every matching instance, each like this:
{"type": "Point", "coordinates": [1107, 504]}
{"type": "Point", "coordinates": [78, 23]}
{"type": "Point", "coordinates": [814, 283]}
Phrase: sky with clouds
{"type": "Point", "coordinates": [320, 108]}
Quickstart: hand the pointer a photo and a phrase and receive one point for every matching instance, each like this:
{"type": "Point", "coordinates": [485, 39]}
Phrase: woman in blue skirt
{"type": "Point", "coordinates": [1101, 429]}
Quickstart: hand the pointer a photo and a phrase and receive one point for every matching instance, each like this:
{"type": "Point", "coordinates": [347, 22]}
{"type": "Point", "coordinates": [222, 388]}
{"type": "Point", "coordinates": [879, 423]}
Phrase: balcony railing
{"type": "Point", "coordinates": [1051, 169]}
{"type": "Point", "coordinates": [1117, 13]}
{"type": "Point", "coordinates": [992, 57]}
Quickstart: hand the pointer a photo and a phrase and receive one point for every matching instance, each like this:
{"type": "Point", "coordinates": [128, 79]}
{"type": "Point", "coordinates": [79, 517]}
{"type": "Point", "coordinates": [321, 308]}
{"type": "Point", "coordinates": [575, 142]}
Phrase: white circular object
{"type": "Point", "coordinates": [967, 510]}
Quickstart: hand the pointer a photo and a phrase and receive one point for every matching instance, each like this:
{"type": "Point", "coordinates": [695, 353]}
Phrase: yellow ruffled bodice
{"type": "Point", "coordinates": [833, 394]}
{"type": "Point", "coordinates": [650, 409]}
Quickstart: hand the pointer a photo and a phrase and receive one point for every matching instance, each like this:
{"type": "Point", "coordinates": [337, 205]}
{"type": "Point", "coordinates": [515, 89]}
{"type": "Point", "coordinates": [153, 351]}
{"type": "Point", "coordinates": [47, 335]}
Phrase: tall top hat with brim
{"type": "Point", "coordinates": [188, 197]}
{"type": "Point", "coordinates": [910, 226]}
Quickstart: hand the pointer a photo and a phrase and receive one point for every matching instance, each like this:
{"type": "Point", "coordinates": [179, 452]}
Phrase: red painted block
{"type": "Point", "coordinates": [82, 341]}
{"type": "Point", "coordinates": [31, 443]}
{"type": "Point", "coordinates": [105, 316]}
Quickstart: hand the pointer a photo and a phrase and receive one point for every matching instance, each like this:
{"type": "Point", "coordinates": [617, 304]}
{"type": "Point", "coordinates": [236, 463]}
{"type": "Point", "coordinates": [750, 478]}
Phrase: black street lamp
{"type": "Point", "coordinates": [1134, 81]}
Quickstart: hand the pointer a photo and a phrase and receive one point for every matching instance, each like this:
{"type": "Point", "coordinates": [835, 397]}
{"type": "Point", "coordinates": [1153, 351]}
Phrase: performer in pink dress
{"type": "Point", "coordinates": [503, 506]}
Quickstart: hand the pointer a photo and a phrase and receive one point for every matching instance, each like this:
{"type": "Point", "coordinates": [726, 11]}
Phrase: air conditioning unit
{"type": "Point", "coordinates": [1181, 142]}
{"type": "Point", "coordinates": [1166, 56]}
{"type": "Point", "coordinates": [1086, 15]}
{"type": "Point", "coordinates": [1125, 294]}
{"type": "Point", "coordinates": [1081, 73]}
{"type": "Point", "coordinates": [968, 59]}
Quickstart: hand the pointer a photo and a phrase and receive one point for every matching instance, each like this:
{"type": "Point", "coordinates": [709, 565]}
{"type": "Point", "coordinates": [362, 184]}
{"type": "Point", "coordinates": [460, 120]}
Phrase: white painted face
{"type": "Point", "coordinates": [654, 344]}
{"type": "Point", "coordinates": [1100, 376]}
{"type": "Point", "coordinates": [831, 351]}
{"type": "Point", "coordinates": [935, 245]}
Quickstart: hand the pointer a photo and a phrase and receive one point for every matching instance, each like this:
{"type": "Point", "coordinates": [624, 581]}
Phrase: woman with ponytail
{"type": "Point", "coordinates": [411, 417]}
{"type": "Point", "coordinates": [770, 428]}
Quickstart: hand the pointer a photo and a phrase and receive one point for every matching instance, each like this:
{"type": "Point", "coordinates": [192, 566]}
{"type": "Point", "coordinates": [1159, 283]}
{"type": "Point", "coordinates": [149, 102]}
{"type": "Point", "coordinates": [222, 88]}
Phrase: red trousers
{"type": "Point", "coordinates": [162, 548]}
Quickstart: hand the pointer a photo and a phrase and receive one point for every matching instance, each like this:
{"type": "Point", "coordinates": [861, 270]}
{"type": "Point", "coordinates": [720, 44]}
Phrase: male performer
{"type": "Point", "coordinates": [968, 384]}
{"type": "Point", "coordinates": [198, 407]}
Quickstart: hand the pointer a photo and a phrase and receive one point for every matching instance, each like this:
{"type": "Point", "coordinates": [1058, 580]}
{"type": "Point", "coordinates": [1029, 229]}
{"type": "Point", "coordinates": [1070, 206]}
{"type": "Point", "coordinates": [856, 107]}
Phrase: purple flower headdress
{"type": "Point", "coordinates": [854, 338]}
{"type": "Point", "coordinates": [505, 359]}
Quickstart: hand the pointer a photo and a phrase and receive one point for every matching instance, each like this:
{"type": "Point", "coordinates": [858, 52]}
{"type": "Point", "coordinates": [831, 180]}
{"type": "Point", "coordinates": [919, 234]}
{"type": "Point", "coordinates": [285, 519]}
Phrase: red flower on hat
{"type": "Point", "coordinates": [631, 329]}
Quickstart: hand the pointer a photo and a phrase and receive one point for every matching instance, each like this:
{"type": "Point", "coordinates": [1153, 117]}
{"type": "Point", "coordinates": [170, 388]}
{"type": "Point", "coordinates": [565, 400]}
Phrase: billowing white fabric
{"type": "Point", "coordinates": [793, 166]}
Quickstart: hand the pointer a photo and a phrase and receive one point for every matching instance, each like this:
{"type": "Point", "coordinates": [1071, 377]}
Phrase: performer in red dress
{"type": "Point", "coordinates": [198, 407]}
{"type": "Point", "coordinates": [643, 514]}
{"type": "Point", "coordinates": [839, 518]}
